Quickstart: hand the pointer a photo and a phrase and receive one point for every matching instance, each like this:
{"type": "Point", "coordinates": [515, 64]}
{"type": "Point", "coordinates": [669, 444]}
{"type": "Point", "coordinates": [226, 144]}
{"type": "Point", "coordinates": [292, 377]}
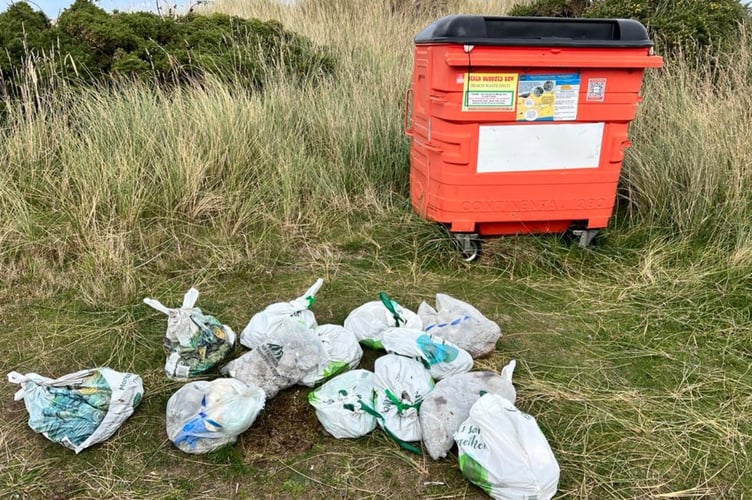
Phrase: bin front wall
{"type": "Point", "coordinates": [521, 139]}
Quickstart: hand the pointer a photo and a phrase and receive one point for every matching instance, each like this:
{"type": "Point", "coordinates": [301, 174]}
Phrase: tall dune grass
{"type": "Point", "coordinates": [689, 172]}
{"type": "Point", "coordinates": [103, 179]}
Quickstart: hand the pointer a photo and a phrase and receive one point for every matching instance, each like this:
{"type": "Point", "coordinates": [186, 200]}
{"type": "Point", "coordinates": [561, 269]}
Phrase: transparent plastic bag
{"type": "Point", "coordinates": [80, 409]}
{"type": "Point", "coordinates": [439, 356]}
{"type": "Point", "coordinates": [400, 385]}
{"type": "Point", "coordinates": [195, 342]}
{"type": "Point", "coordinates": [290, 353]}
{"type": "Point", "coordinates": [265, 322]}
{"type": "Point", "coordinates": [448, 405]}
{"type": "Point", "coordinates": [369, 320]}
{"type": "Point", "coordinates": [203, 416]}
{"type": "Point", "coordinates": [503, 451]}
{"type": "Point", "coordinates": [461, 324]}
{"type": "Point", "coordinates": [342, 352]}
{"type": "Point", "coordinates": [342, 404]}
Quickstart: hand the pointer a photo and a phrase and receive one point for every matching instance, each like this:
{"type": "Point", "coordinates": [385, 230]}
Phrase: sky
{"type": "Point", "coordinates": [53, 8]}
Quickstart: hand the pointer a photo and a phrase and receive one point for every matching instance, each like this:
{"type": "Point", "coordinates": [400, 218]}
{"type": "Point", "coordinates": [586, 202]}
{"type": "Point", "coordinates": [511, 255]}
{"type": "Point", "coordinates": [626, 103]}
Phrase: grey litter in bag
{"type": "Point", "coordinates": [448, 405]}
{"type": "Point", "coordinates": [461, 324]}
{"type": "Point", "coordinates": [289, 354]}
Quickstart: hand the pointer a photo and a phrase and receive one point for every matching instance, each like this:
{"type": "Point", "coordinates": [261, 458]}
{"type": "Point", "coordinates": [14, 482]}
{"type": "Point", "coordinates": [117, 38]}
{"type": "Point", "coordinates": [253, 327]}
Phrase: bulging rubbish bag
{"type": "Point", "coordinates": [292, 352]}
{"type": "Point", "coordinates": [203, 416]}
{"type": "Point", "coordinates": [448, 405]}
{"type": "Point", "coordinates": [461, 324]}
{"type": "Point", "coordinates": [344, 404]}
{"type": "Point", "coordinates": [400, 384]}
{"type": "Point", "coordinates": [503, 451]}
{"type": "Point", "coordinates": [369, 320]}
{"type": "Point", "coordinates": [263, 323]}
{"type": "Point", "coordinates": [439, 356]}
{"type": "Point", "coordinates": [195, 342]}
{"type": "Point", "coordinates": [341, 352]}
{"type": "Point", "coordinates": [80, 409]}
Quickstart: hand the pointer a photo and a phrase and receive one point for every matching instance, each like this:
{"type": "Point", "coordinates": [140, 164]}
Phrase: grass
{"type": "Point", "coordinates": [634, 356]}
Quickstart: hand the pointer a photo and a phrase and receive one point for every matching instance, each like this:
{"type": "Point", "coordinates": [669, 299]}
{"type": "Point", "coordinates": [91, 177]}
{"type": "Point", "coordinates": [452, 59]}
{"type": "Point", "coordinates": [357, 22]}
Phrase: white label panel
{"type": "Point", "coordinates": [551, 146]}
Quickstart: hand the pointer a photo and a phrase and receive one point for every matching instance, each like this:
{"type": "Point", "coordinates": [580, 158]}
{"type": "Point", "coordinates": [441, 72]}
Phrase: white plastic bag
{"type": "Point", "coordinates": [369, 320]}
{"type": "Point", "coordinates": [263, 323]}
{"type": "Point", "coordinates": [80, 409]}
{"type": "Point", "coordinates": [195, 342]}
{"type": "Point", "coordinates": [448, 405]}
{"type": "Point", "coordinates": [441, 357]}
{"type": "Point", "coordinates": [400, 384]}
{"type": "Point", "coordinates": [290, 353]}
{"type": "Point", "coordinates": [342, 404]}
{"type": "Point", "coordinates": [503, 451]}
{"type": "Point", "coordinates": [203, 416]}
{"type": "Point", "coordinates": [341, 352]}
{"type": "Point", "coordinates": [461, 324]}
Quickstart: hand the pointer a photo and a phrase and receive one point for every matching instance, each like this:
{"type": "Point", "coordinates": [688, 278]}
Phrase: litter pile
{"type": "Point", "coordinates": [422, 393]}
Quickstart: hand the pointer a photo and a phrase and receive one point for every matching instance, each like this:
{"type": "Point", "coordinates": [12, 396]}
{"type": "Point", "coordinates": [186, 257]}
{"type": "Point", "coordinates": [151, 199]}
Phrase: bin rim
{"type": "Point", "coordinates": [462, 29]}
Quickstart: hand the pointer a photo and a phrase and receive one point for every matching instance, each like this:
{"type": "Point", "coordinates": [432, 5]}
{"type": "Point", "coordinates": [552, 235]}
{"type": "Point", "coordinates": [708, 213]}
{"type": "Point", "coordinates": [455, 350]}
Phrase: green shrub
{"type": "Point", "coordinates": [91, 44]}
{"type": "Point", "coordinates": [680, 24]}
{"type": "Point", "coordinates": [550, 8]}
{"type": "Point", "coordinates": [674, 24]}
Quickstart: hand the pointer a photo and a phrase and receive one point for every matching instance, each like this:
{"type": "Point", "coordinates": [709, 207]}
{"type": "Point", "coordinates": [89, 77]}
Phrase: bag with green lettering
{"type": "Point", "coordinates": [369, 320]}
{"type": "Point", "coordinates": [503, 451]}
{"type": "Point", "coordinates": [439, 356]}
{"type": "Point", "coordinates": [343, 404]}
{"type": "Point", "coordinates": [342, 352]}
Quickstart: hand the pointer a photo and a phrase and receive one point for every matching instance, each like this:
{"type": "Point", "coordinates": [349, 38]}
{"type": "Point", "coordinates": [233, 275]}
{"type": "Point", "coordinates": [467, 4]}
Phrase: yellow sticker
{"type": "Point", "coordinates": [489, 92]}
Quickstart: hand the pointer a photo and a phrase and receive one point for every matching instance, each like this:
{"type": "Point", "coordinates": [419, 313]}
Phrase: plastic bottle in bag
{"type": "Point", "coordinates": [80, 409]}
{"type": "Point", "coordinates": [203, 416]}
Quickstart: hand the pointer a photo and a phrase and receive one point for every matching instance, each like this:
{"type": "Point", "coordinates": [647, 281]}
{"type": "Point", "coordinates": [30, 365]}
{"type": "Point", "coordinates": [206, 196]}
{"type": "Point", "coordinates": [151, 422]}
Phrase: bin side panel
{"type": "Point", "coordinates": [508, 202]}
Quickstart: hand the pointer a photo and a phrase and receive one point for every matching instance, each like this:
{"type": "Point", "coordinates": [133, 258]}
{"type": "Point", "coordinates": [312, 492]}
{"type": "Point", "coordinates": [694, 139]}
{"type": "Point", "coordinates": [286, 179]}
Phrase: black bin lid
{"type": "Point", "coordinates": [535, 32]}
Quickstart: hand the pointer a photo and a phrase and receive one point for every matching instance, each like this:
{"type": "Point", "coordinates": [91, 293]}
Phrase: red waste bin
{"type": "Point", "coordinates": [518, 125]}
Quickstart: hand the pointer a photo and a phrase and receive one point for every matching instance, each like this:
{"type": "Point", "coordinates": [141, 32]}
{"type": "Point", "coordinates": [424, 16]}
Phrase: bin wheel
{"type": "Point", "coordinates": [585, 236]}
{"type": "Point", "coordinates": [468, 245]}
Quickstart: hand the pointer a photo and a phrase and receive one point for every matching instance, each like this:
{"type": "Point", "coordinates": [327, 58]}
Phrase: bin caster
{"type": "Point", "coordinates": [585, 236]}
{"type": "Point", "coordinates": [468, 245]}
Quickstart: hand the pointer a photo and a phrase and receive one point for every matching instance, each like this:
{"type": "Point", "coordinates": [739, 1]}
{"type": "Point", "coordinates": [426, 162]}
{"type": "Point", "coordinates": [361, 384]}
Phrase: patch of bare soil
{"type": "Point", "coordinates": [287, 427]}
